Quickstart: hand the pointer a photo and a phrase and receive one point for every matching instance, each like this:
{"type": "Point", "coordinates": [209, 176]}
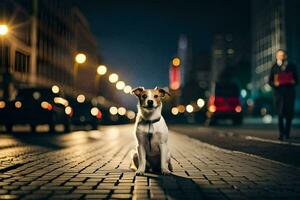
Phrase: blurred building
{"type": "Point", "coordinates": [197, 80]}
{"type": "Point", "coordinates": [43, 39]}
{"type": "Point", "coordinates": [230, 57]}
{"type": "Point", "coordinates": [275, 25]}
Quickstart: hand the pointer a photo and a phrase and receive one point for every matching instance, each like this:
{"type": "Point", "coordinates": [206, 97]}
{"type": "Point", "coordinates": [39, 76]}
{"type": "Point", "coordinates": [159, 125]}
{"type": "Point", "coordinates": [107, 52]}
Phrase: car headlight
{"type": "Point", "coordinates": [18, 104]}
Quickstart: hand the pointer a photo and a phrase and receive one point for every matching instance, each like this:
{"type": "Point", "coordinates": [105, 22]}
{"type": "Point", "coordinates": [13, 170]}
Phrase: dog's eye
{"type": "Point", "coordinates": [144, 96]}
{"type": "Point", "coordinates": [155, 96]}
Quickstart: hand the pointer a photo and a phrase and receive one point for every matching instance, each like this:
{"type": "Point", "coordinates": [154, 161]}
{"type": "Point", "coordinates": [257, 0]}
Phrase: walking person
{"type": "Point", "coordinates": [283, 79]}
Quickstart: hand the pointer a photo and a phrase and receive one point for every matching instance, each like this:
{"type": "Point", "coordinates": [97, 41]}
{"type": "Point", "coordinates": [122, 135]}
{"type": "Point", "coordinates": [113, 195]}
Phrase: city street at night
{"type": "Point", "coordinates": [149, 99]}
{"type": "Point", "coordinates": [95, 164]}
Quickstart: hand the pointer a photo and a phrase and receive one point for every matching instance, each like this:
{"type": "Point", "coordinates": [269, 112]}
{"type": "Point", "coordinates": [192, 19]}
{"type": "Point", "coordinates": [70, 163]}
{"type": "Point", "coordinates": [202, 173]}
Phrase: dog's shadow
{"type": "Point", "coordinates": [172, 187]}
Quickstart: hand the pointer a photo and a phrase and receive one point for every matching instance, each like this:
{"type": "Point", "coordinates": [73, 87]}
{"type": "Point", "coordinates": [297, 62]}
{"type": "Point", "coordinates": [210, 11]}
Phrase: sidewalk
{"type": "Point", "coordinates": [99, 169]}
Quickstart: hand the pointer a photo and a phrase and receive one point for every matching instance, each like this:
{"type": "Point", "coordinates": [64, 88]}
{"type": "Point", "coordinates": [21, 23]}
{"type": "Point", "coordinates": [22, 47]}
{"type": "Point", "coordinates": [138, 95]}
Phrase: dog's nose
{"type": "Point", "coordinates": [150, 102]}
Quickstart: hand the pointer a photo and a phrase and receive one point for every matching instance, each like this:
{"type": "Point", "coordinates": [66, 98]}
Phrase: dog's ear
{"type": "Point", "coordinates": [162, 92]}
{"type": "Point", "coordinates": [137, 91]}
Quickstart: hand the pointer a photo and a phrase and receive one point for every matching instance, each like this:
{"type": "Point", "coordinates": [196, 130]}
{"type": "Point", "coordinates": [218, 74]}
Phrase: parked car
{"type": "Point", "coordinates": [85, 113]}
{"type": "Point", "coordinates": [34, 106]}
{"type": "Point", "coordinates": [225, 103]}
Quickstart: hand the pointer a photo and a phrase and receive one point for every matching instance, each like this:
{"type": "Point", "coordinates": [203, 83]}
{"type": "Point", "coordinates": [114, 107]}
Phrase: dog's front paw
{"type": "Point", "coordinates": [165, 172]}
{"type": "Point", "coordinates": [139, 172]}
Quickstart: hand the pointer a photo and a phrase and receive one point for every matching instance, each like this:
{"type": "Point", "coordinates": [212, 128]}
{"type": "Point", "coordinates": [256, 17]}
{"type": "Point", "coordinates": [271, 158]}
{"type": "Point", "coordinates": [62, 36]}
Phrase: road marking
{"type": "Point", "coordinates": [272, 141]}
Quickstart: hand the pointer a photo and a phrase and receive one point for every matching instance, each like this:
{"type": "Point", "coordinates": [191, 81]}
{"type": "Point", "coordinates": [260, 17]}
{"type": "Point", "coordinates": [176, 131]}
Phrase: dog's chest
{"type": "Point", "coordinates": [149, 137]}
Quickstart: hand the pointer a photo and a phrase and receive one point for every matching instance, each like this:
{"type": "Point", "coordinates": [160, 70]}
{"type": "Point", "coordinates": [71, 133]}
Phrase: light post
{"type": "Point", "coordinates": [101, 70]}
{"type": "Point", "coordinates": [80, 58]}
{"type": "Point", "coordinates": [6, 77]}
{"type": "Point", "coordinates": [3, 33]}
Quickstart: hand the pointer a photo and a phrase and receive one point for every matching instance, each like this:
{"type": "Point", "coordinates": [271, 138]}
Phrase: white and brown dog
{"type": "Point", "coordinates": [151, 133]}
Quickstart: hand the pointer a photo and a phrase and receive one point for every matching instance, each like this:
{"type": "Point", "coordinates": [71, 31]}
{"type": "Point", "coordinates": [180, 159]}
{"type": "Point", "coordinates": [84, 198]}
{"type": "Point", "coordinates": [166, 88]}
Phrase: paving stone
{"type": "Point", "coordinates": [99, 170]}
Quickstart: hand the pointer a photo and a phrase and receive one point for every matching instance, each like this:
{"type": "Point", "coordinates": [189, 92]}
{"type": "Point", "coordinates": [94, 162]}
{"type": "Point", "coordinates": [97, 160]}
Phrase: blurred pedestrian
{"type": "Point", "coordinates": [283, 79]}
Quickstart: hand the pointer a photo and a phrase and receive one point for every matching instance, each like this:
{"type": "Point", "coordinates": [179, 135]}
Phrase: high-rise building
{"type": "Point", "coordinates": [275, 25]}
{"type": "Point", "coordinates": [198, 78]}
{"type": "Point", "coordinates": [230, 55]}
{"type": "Point", "coordinates": [43, 39]}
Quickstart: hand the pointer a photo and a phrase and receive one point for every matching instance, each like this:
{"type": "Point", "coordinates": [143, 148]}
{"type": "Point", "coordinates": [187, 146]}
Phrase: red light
{"type": "Point", "coordinates": [99, 115]}
{"type": "Point", "coordinates": [212, 108]}
{"type": "Point", "coordinates": [49, 106]}
{"type": "Point", "coordinates": [174, 76]}
{"type": "Point", "coordinates": [238, 109]}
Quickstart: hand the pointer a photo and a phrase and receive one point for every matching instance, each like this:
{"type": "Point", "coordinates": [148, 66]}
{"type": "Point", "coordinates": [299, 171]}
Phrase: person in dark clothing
{"type": "Point", "coordinates": [283, 79]}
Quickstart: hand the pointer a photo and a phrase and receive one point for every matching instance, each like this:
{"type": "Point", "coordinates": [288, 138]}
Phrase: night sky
{"type": "Point", "coordinates": [137, 39]}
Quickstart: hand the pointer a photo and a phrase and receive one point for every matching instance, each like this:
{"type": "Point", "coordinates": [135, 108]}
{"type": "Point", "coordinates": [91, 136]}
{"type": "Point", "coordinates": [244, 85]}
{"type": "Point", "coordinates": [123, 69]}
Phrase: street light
{"type": "Point", "coordinates": [176, 62]}
{"type": "Point", "coordinates": [55, 89]}
{"type": "Point", "coordinates": [113, 78]}
{"type": "Point", "coordinates": [3, 29]}
{"type": "Point", "coordinates": [120, 85]}
{"type": "Point", "coordinates": [127, 89]}
{"type": "Point", "coordinates": [80, 98]}
{"type": "Point", "coordinates": [3, 32]}
{"type": "Point", "coordinates": [102, 69]}
{"type": "Point", "coordinates": [80, 58]}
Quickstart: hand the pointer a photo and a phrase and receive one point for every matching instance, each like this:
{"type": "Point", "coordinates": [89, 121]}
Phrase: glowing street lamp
{"type": "Point", "coordinates": [80, 58]}
{"type": "Point", "coordinates": [55, 89]}
{"type": "Point", "coordinates": [127, 89]}
{"type": "Point", "coordinates": [3, 29]}
{"type": "Point", "coordinates": [120, 85]}
{"type": "Point", "coordinates": [80, 98]}
{"type": "Point", "coordinates": [176, 62]}
{"type": "Point", "coordinates": [102, 69]}
{"type": "Point", "coordinates": [113, 78]}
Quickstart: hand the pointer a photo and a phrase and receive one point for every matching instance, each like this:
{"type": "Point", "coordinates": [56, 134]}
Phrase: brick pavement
{"type": "Point", "coordinates": [97, 168]}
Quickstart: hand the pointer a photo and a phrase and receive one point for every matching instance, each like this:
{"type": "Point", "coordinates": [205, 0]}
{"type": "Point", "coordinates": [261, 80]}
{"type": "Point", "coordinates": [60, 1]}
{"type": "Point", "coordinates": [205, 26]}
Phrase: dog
{"type": "Point", "coordinates": [151, 133]}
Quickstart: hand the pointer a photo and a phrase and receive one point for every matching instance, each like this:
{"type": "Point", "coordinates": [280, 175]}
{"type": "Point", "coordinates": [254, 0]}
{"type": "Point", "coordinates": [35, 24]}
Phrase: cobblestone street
{"type": "Point", "coordinates": [95, 165]}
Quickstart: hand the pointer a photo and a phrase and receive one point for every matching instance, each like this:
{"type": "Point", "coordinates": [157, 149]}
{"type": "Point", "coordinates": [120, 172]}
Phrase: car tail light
{"type": "Point", "coordinates": [96, 112]}
{"type": "Point", "coordinates": [212, 108]}
{"type": "Point", "coordinates": [238, 109]}
{"type": "Point", "coordinates": [45, 105]}
{"type": "Point", "coordinates": [99, 115]}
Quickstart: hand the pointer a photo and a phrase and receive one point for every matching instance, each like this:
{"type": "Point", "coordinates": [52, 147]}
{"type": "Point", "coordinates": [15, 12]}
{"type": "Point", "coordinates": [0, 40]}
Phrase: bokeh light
{"type": "Point", "coordinates": [102, 69]}
{"type": "Point", "coordinates": [113, 78]}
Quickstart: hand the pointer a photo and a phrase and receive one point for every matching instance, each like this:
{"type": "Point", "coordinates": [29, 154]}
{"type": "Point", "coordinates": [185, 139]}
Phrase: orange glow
{"type": "Point", "coordinates": [3, 29]}
{"type": "Point", "coordinates": [18, 104]}
{"type": "Point", "coordinates": [212, 108]}
{"type": "Point", "coordinates": [46, 105]}
{"type": "Point", "coordinates": [181, 108]}
{"type": "Point", "coordinates": [2, 104]}
{"type": "Point", "coordinates": [238, 109]}
{"type": "Point", "coordinates": [176, 62]}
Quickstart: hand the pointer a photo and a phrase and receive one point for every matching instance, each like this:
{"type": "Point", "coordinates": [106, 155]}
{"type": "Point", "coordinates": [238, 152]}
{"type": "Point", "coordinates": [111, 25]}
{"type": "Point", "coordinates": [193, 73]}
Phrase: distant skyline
{"type": "Point", "coordinates": [137, 39]}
